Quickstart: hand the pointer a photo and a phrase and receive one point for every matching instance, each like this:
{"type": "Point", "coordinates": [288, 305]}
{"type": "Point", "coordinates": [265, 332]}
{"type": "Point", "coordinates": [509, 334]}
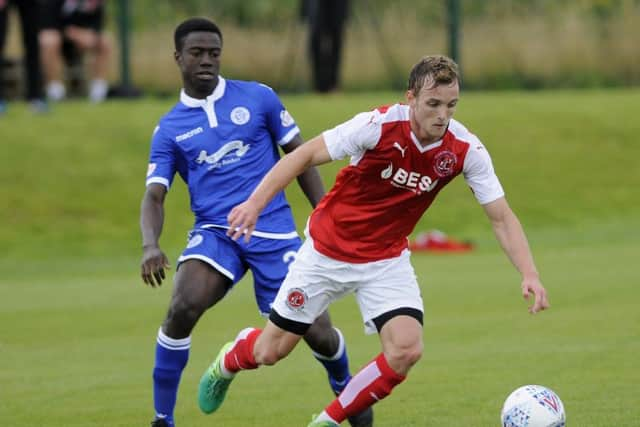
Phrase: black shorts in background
{"type": "Point", "coordinates": [54, 15]}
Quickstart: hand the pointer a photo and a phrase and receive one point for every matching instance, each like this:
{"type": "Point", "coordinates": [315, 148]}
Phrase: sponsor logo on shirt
{"type": "Point", "coordinates": [215, 159]}
{"type": "Point", "coordinates": [240, 115]}
{"type": "Point", "coordinates": [412, 181]}
{"type": "Point", "coordinates": [189, 134]}
{"type": "Point", "coordinates": [151, 168]}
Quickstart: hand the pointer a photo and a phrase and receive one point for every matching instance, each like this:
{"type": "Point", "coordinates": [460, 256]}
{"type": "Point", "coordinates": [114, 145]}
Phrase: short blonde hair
{"type": "Point", "coordinates": [441, 69]}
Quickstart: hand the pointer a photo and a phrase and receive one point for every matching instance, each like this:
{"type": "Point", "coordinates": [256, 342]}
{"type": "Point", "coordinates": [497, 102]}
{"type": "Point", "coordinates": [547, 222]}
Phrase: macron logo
{"type": "Point", "coordinates": [189, 134]}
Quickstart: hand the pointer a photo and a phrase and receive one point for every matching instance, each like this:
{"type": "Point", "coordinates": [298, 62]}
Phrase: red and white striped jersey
{"type": "Point", "coordinates": [390, 182]}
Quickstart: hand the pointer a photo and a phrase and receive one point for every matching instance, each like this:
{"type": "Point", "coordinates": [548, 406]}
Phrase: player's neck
{"type": "Point", "coordinates": [425, 139]}
{"type": "Point", "coordinates": [200, 92]}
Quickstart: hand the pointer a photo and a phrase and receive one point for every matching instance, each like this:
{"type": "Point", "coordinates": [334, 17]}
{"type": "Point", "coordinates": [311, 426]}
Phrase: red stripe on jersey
{"type": "Point", "coordinates": [383, 109]}
{"type": "Point", "coordinates": [376, 203]}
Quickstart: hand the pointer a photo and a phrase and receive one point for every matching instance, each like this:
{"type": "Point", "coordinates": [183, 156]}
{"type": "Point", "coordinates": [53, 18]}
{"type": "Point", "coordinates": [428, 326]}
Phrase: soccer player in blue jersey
{"type": "Point", "coordinates": [222, 138]}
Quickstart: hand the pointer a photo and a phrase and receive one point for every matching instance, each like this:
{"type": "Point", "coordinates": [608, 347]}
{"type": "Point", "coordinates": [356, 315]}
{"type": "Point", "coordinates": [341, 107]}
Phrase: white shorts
{"type": "Point", "coordinates": [315, 281]}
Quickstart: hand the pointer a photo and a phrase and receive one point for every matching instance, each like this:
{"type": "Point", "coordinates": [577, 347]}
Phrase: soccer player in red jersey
{"type": "Point", "coordinates": [401, 157]}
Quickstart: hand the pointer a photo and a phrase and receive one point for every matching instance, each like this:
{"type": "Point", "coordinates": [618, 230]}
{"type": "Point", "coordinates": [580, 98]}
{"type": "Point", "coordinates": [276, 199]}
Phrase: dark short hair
{"type": "Point", "coordinates": [192, 25]}
{"type": "Point", "coordinates": [440, 68]}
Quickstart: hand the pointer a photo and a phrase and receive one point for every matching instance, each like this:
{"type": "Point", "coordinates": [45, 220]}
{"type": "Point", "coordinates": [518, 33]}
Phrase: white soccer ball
{"type": "Point", "coordinates": [533, 406]}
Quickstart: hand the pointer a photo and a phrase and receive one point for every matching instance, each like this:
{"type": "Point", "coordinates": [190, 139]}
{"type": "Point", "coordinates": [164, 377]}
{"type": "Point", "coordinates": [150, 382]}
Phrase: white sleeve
{"type": "Point", "coordinates": [354, 137]}
{"type": "Point", "coordinates": [479, 174]}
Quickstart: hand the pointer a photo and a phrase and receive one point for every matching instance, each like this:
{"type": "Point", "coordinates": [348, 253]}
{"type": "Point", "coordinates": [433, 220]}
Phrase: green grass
{"type": "Point", "coordinates": [78, 326]}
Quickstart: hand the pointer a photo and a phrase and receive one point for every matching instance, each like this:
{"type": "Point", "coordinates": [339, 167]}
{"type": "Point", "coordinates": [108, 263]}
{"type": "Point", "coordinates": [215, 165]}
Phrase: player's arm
{"type": "Point", "coordinates": [243, 218]}
{"type": "Point", "coordinates": [309, 180]}
{"type": "Point", "coordinates": [154, 261]}
{"type": "Point", "coordinates": [511, 236]}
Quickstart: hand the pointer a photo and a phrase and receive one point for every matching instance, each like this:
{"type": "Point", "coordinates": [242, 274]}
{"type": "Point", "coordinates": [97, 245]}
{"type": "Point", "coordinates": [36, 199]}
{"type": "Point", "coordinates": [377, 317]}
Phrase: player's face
{"type": "Point", "coordinates": [199, 62]}
{"type": "Point", "coordinates": [432, 109]}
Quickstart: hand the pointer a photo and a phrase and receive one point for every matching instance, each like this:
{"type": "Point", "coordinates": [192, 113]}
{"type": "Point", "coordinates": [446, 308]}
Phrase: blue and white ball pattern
{"type": "Point", "coordinates": [533, 406]}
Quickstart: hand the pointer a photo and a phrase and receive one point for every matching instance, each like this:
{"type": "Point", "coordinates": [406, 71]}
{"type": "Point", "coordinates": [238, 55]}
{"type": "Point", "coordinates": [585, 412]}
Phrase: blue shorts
{"type": "Point", "coordinates": [268, 259]}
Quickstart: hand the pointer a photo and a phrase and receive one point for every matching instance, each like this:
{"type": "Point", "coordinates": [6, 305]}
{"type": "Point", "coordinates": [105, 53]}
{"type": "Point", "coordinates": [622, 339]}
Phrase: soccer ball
{"type": "Point", "coordinates": [533, 406]}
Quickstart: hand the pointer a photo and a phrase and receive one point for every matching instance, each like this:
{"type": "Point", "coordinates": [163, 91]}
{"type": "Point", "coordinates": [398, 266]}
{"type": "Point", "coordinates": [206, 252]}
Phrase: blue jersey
{"type": "Point", "coordinates": [222, 146]}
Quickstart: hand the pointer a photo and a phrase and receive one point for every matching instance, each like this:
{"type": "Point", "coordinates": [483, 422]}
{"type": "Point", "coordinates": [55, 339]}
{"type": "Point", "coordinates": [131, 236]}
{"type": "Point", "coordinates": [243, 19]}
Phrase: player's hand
{"type": "Point", "coordinates": [532, 286]}
{"type": "Point", "coordinates": [242, 220]}
{"type": "Point", "coordinates": [154, 261]}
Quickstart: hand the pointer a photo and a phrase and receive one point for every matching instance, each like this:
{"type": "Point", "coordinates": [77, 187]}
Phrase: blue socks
{"type": "Point", "coordinates": [337, 366]}
{"type": "Point", "coordinates": [171, 358]}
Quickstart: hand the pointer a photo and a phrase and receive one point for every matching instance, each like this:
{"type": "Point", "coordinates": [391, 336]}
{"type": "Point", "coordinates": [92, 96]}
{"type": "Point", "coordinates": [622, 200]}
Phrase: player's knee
{"type": "Point", "coordinates": [413, 355]}
{"type": "Point", "coordinates": [403, 357]}
{"type": "Point", "coordinates": [183, 314]}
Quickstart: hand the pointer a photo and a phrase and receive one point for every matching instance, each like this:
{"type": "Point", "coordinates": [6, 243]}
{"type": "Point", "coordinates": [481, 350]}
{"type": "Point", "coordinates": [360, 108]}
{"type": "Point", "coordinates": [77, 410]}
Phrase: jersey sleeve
{"type": "Point", "coordinates": [281, 125]}
{"type": "Point", "coordinates": [162, 159]}
{"type": "Point", "coordinates": [354, 137]}
{"type": "Point", "coordinates": [479, 174]}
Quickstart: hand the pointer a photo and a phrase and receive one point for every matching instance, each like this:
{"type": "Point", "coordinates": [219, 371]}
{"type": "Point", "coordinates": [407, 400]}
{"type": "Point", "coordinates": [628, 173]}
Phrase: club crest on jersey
{"type": "Point", "coordinates": [412, 181]}
{"type": "Point", "coordinates": [240, 115]}
{"type": "Point", "coordinates": [296, 299]}
{"type": "Point", "coordinates": [286, 119]}
{"type": "Point", "coordinates": [444, 162]}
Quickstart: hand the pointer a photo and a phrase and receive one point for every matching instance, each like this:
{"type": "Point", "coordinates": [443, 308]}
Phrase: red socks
{"type": "Point", "coordinates": [374, 382]}
{"type": "Point", "coordinates": [240, 357]}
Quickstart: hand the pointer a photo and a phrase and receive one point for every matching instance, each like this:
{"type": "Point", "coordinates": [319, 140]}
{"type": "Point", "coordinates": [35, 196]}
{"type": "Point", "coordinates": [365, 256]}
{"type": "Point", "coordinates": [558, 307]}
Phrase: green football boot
{"type": "Point", "coordinates": [321, 423]}
{"type": "Point", "coordinates": [213, 386]}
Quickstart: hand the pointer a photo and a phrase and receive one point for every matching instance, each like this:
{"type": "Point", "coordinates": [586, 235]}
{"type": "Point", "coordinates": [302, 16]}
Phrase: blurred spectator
{"type": "Point", "coordinates": [31, 64]}
{"type": "Point", "coordinates": [327, 19]}
{"type": "Point", "coordinates": [78, 23]}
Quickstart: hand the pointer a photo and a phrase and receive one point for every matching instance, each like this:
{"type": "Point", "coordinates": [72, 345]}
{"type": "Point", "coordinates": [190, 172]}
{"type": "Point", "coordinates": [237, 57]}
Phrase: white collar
{"type": "Point", "coordinates": [217, 93]}
{"type": "Point", "coordinates": [425, 148]}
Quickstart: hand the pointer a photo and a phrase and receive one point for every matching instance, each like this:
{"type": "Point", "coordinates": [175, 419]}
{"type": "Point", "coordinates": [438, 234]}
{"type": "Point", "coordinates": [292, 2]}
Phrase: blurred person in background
{"type": "Point", "coordinates": [327, 20]}
{"type": "Point", "coordinates": [222, 137]}
{"type": "Point", "coordinates": [79, 23]}
{"type": "Point", "coordinates": [27, 9]}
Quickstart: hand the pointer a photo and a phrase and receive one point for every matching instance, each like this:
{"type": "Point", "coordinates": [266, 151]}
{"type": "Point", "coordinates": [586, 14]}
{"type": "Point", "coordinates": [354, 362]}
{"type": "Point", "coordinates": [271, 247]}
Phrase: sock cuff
{"type": "Point", "coordinates": [387, 372]}
{"type": "Point", "coordinates": [240, 355]}
{"type": "Point", "coordinates": [243, 334]}
{"type": "Point", "coordinates": [341, 348]}
{"type": "Point", "coordinates": [172, 343]}
{"type": "Point", "coordinates": [251, 340]}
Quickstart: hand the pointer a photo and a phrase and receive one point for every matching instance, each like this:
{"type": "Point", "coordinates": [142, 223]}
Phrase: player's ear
{"type": "Point", "coordinates": [176, 56]}
{"type": "Point", "coordinates": [410, 97]}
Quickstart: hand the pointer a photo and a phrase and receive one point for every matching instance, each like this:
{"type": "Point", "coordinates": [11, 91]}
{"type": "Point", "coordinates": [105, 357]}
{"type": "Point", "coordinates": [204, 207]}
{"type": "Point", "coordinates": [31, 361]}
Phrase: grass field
{"type": "Point", "coordinates": [78, 327]}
